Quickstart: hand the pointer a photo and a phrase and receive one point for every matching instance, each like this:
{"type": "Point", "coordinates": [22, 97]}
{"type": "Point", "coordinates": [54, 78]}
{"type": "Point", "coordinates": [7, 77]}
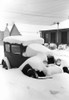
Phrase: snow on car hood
{"type": "Point", "coordinates": [35, 48]}
{"type": "Point", "coordinates": [17, 86]}
{"type": "Point", "coordinates": [36, 62]}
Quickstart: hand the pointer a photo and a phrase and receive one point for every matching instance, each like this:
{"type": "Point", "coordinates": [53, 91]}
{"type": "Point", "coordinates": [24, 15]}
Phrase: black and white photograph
{"type": "Point", "coordinates": [34, 49]}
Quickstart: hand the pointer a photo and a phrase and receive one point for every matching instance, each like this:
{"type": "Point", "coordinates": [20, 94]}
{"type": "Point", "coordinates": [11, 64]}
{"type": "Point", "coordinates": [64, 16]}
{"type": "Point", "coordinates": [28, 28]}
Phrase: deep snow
{"type": "Point", "coordinates": [16, 86]}
{"type": "Point", "coordinates": [1, 53]}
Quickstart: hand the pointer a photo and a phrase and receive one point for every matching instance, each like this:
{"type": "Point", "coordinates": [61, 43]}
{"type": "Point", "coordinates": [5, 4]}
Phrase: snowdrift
{"type": "Point", "coordinates": [16, 86]}
{"type": "Point", "coordinates": [35, 48]}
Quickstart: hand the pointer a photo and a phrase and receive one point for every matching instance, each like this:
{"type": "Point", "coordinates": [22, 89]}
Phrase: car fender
{"type": "Point", "coordinates": [7, 62]}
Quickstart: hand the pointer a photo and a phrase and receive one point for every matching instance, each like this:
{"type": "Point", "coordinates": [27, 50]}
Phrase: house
{"type": "Point", "coordinates": [14, 31]}
{"type": "Point", "coordinates": [1, 35]}
{"type": "Point", "coordinates": [58, 33]}
{"type": "Point", "coordinates": [10, 30]}
{"type": "Point", "coordinates": [6, 31]}
{"type": "Point", "coordinates": [24, 29]}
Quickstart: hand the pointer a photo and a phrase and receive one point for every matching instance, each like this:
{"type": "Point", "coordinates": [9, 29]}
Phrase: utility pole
{"type": "Point", "coordinates": [57, 32]}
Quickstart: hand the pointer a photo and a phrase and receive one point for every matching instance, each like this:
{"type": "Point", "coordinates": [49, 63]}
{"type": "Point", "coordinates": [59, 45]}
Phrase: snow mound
{"type": "Point", "coordinates": [52, 46]}
{"type": "Point", "coordinates": [39, 63]}
{"type": "Point", "coordinates": [62, 47]}
{"type": "Point", "coordinates": [25, 40]}
{"type": "Point", "coordinates": [16, 86]}
{"type": "Point", "coordinates": [35, 48]}
{"type": "Point", "coordinates": [36, 62]}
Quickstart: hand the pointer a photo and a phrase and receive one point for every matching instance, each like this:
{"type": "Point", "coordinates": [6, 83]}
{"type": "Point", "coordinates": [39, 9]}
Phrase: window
{"type": "Point", "coordinates": [7, 47]}
{"type": "Point", "coordinates": [15, 49]}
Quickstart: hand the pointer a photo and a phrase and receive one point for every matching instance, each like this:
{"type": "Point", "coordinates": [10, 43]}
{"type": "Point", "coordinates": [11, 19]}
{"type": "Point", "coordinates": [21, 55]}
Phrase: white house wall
{"type": "Point", "coordinates": [1, 35]}
{"type": "Point", "coordinates": [6, 32]}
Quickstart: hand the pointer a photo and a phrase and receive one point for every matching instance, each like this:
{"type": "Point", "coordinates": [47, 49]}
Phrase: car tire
{"type": "Point", "coordinates": [4, 64]}
{"type": "Point", "coordinates": [31, 73]}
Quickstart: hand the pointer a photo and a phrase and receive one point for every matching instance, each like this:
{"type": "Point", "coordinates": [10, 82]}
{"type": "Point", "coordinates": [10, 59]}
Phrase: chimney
{"type": "Point", "coordinates": [6, 24]}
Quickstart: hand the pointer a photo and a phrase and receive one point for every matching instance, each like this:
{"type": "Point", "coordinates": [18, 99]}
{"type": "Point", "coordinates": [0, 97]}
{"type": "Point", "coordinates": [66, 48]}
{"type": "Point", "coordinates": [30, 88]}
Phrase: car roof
{"type": "Point", "coordinates": [23, 40]}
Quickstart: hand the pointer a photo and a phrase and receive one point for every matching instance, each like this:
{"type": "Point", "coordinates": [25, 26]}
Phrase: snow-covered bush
{"type": "Point", "coordinates": [46, 44]}
{"type": "Point", "coordinates": [62, 46]}
{"type": "Point", "coordinates": [52, 46]}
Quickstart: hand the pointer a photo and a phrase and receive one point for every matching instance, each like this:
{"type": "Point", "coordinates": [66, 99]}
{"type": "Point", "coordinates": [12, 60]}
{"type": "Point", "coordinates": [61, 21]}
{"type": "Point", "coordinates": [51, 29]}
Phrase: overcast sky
{"type": "Point", "coordinates": [37, 12]}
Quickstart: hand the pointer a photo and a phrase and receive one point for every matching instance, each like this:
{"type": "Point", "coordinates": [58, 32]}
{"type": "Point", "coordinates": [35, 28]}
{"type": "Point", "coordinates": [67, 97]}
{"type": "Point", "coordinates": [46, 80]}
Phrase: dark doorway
{"type": "Point", "coordinates": [53, 37]}
{"type": "Point", "coordinates": [64, 37]}
{"type": "Point", "coordinates": [46, 37]}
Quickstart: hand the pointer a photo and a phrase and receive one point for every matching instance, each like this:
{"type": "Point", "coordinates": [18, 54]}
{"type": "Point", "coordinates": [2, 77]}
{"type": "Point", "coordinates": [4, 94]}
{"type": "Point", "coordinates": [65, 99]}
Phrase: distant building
{"type": "Point", "coordinates": [6, 31]}
{"type": "Point", "coordinates": [53, 36]}
{"type": "Point", "coordinates": [58, 33]}
{"type": "Point", "coordinates": [1, 35]}
{"type": "Point", "coordinates": [14, 31]}
{"type": "Point", "coordinates": [23, 29]}
{"type": "Point", "coordinates": [18, 29]}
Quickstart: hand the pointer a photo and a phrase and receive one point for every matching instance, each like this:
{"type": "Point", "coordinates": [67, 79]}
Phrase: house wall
{"type": "Point", "coordinates": [47, 37]}
{"type": "Point", "coordinates": [6, 32]}
{"type": "Point", "coordinates": [68, 37]}
{"type": "Point", "coordinates": [53, 37]}
{"type": "Point", "coordinates": [42, 35]}
{"type": "Point", "coordinates": [1, 35]}
{"type": "Point", "coordinates": [59, 39]}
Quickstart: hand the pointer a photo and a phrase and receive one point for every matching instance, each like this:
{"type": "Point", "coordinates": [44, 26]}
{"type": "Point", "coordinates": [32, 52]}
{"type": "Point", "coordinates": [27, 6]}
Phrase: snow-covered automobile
{"type": "Point", "coordinates": [40, 66]}
{"type": "Point", "coordinates": [35, 79]}
{"type": "Point", "coordinates": [14, 49]}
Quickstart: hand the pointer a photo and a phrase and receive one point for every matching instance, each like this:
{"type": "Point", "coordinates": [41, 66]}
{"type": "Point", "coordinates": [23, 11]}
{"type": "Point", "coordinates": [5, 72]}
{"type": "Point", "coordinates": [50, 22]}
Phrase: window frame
{"type": "Point", "coordinates": [14, 52]}
{"type": "Point", "coordinates": [5, 48]}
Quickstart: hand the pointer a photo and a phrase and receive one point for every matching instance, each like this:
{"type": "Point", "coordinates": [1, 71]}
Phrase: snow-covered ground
{"type": "Point", "coordinates": [14, 85]}
{"type": "Point", "coordinates": [1, 53]}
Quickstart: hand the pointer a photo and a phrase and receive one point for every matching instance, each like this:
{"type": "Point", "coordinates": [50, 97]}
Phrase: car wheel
{"type": "Point", "coordinates": [31, 73]}
{"type": "Point", "coordinates": [4, 64]}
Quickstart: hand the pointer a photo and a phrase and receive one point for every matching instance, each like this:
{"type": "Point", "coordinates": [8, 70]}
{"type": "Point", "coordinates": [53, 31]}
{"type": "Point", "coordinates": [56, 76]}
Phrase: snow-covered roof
{"type": "Point", "coordinates": [25, 40]}
{"type": "Point", "coordinates": [29, 28]}
{"type": "Point", "coordinates": [62, 25]}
